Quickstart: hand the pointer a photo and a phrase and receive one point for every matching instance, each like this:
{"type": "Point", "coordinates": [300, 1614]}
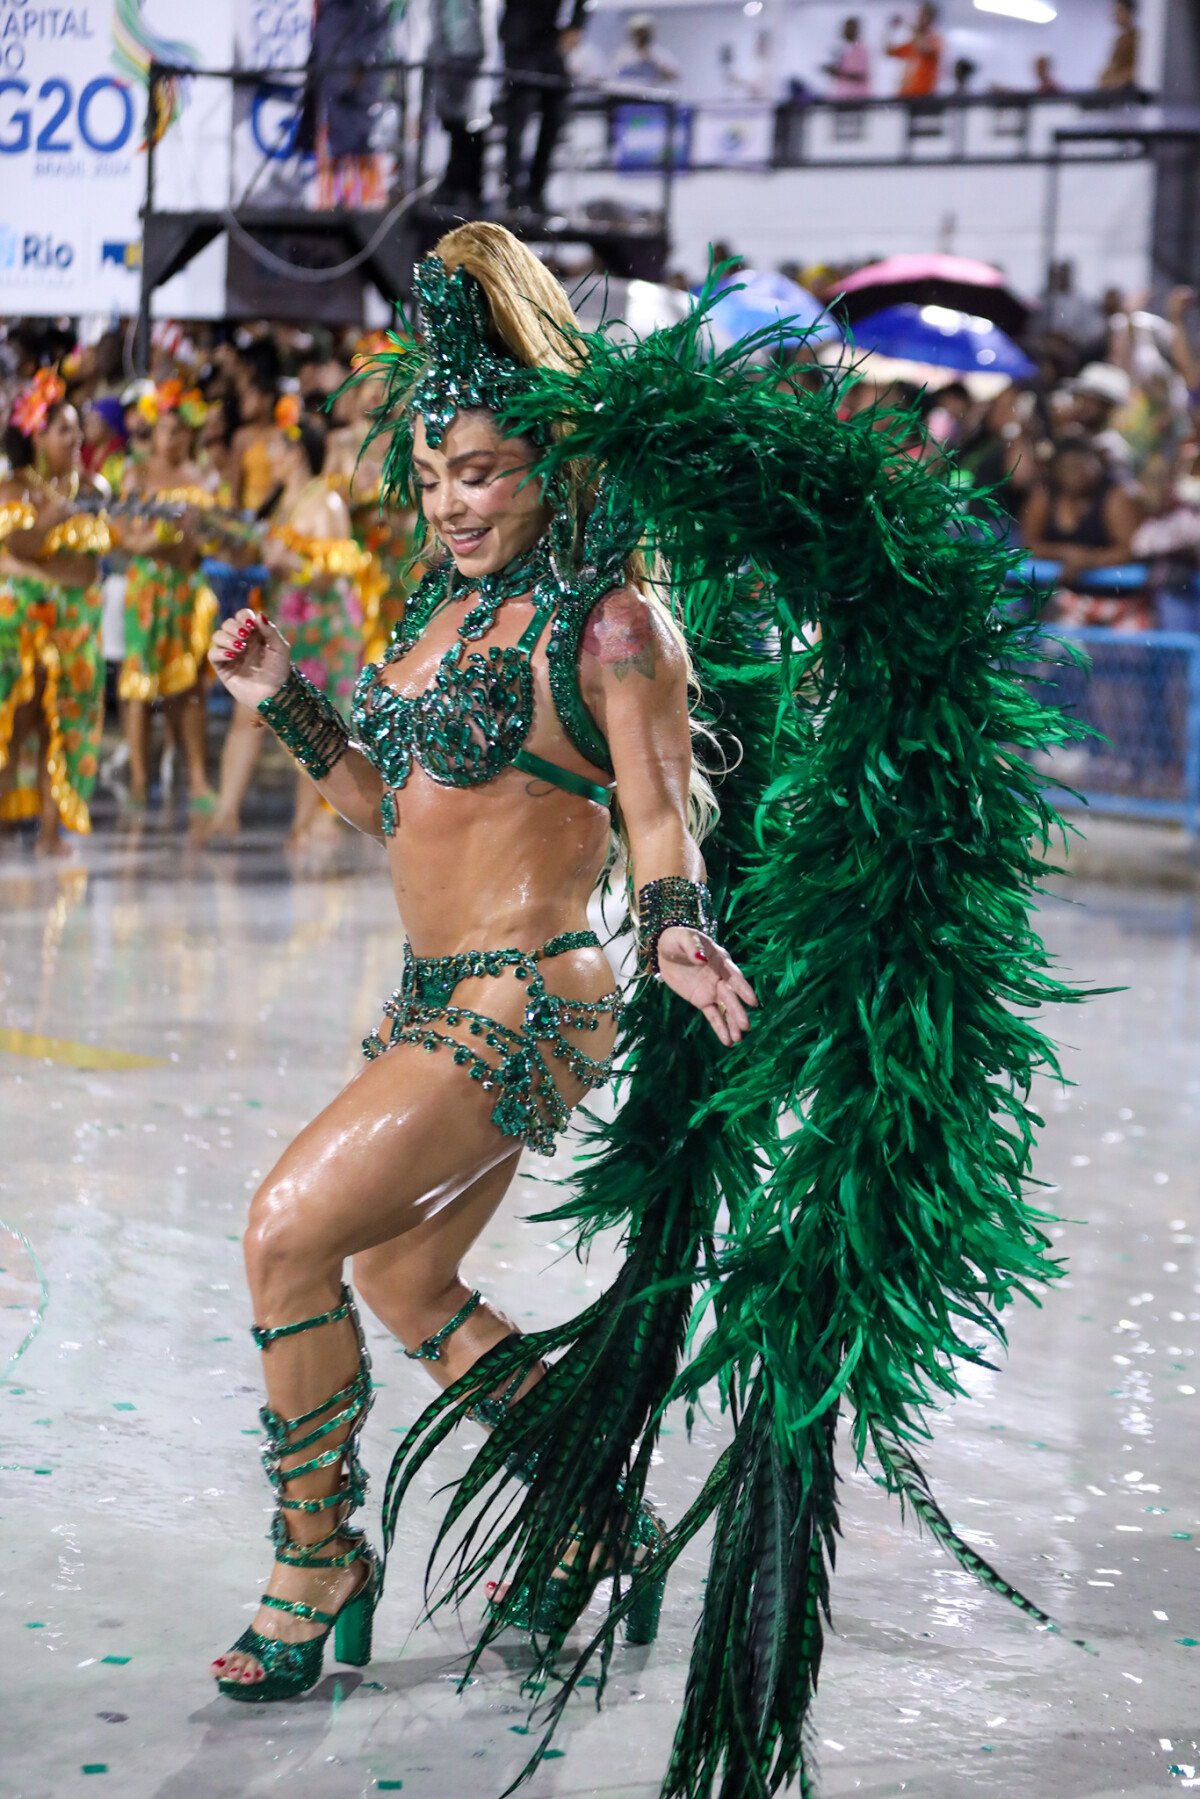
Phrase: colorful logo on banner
{"type": "Point", "coordinates": [135, 45]}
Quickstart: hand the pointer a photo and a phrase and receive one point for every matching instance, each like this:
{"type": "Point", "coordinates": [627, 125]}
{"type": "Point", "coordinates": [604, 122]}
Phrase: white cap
{"type": "Point", "coordinates": [137, 390]}
{"type": "Point", "coordinates": [1103, 381]}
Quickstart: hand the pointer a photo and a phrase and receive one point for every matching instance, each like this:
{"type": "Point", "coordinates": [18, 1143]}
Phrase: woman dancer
{"type": "Point", "coordinates": [316, 567]}
{"type": "Point", "coordinates": [51, 606]}
{"type": "Point", "coordinates": [842, 1182]}
{"type": "Point", "coordinates": [170, 610]}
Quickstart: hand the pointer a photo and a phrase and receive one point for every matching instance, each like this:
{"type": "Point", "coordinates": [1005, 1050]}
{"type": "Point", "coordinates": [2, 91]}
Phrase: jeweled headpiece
{"type": "Point", "coordinates": [463, 369]}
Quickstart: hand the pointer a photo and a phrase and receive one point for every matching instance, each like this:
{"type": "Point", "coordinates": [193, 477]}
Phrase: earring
{"type": "Point", "coordinates": [557, 496]}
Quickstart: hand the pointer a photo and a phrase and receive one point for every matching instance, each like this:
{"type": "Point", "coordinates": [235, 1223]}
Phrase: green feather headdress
{"type": "Point", "coordinates": [450, 365]}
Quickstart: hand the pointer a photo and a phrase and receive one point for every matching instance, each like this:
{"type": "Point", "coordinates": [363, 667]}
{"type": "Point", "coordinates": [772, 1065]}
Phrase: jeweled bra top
{"type": "Point", "coordinates": [474, 719]}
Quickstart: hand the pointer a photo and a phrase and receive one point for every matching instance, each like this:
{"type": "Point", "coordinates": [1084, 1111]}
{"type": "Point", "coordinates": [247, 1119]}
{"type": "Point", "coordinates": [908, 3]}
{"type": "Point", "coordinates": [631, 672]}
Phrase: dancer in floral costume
{"type": "Point", "coordinates": [53, 533]}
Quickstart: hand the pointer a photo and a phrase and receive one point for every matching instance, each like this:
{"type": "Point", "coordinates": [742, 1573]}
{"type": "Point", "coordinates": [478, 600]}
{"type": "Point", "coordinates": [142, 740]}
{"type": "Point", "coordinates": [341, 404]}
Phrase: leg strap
{"type": "Point", "coordinates": [431, 1349]}
{"type": "Point", "coordinates": [346, 1409]}
{"type": "Point", "coordinates": [266, 1337]}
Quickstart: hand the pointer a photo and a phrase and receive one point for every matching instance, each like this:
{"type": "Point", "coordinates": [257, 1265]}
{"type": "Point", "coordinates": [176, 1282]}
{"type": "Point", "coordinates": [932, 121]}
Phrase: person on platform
{"type": "Point", "coordinates": [535, 36]}
{"type": "Point", "coordinates": [919, 50]}
{"type": "Point", "coordinates": [844, 1182]}
{"type": "Point", "coordinates": [53, 534]}
{"type": "Point", "coordinates": [849, 68]}
{"type": "Point", "coordinates": [1119, 74]}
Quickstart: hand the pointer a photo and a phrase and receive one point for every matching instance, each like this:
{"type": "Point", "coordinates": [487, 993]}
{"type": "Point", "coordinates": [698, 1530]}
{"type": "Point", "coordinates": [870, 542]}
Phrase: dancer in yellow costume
{"type": "Point", "coordinates": [53, 533]}
{"type": "Point", "coordinates": [170, 612]}
{"type": "Point", "coordinates": [317, 570]}
{"type": "Point", "coordinates": [354, 466]}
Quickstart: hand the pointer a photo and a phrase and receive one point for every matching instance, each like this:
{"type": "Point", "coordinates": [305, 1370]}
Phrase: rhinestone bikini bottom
{"type": "Point", "coordinates": [516, 1064]}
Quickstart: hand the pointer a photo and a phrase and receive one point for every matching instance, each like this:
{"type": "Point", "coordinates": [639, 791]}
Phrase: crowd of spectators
{"type": "Point", "coordinates": [1092, 466]}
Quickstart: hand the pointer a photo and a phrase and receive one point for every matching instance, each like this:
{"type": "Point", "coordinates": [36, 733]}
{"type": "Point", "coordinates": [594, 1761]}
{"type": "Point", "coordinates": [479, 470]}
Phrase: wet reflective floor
{"type": "Point", "coordinates": [167, 1020]}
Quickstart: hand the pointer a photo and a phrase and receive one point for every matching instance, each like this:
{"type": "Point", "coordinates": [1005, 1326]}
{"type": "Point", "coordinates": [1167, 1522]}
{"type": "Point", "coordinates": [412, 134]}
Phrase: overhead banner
{"type": "Point", "coordinates": [73, 148]}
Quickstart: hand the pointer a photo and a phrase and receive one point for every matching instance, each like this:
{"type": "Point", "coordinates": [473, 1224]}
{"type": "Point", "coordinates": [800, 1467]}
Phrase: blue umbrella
{"type": "Point", "coordinates": [753, 300]}
{"type": "Point", "coordinates": [942, 338]}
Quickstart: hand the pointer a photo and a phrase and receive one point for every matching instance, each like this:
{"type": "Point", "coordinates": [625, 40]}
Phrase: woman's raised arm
{"type": "Point", "coordinates": [633, 675]}
{"type": "Point", "coordinates": [252, 658]}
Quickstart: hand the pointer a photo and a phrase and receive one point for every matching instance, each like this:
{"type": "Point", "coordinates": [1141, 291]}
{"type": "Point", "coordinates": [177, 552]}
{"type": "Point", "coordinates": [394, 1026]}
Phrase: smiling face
{"type": "Point", "coordinates": [475, 494]}
{"type": "Point", "coordinates": [58, 445]}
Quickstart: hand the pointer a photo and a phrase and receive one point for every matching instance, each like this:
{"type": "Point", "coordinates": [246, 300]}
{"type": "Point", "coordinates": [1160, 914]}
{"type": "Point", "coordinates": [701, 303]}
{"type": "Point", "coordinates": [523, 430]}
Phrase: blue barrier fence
{"type": "Point", "coordinates": [1142, 694]}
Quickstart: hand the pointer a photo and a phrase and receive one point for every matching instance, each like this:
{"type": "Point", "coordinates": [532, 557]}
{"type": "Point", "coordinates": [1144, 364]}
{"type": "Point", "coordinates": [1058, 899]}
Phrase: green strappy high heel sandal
{"type": "Point", "coordinates": [292, 1668]}
{"type": "Point", "coordinates": [549, 1613]}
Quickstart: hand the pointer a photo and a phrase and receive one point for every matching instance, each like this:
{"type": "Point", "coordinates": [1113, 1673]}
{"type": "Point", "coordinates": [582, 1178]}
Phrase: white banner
{"type": "Point", "coordinates": [73, 154]}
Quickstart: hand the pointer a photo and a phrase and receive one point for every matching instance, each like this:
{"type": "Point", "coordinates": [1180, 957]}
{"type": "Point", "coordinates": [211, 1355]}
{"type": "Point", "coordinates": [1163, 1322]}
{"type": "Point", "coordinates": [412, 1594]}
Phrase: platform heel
{"type": "Point", "coordinates": [290, 1669]}
{"type": "Point", "coordinates": [355, 1623]}
{"type": "Point", "coordinates": [549, 1613]}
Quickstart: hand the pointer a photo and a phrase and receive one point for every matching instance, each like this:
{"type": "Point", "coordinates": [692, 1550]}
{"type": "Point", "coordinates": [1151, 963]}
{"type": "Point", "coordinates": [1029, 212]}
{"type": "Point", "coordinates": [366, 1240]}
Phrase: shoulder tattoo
{"type": "Point", "coordinates": [620, 634]}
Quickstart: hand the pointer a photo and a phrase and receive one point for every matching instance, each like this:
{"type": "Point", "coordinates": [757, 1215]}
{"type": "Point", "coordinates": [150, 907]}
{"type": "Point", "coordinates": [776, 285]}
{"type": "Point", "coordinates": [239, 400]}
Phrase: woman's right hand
{"type": "Point", "coordinates": [251, 656]}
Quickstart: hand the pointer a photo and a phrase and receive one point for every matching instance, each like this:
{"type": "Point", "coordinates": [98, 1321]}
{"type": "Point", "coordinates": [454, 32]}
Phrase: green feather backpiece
{"type": "Point", "coordinates": [830, 1218]}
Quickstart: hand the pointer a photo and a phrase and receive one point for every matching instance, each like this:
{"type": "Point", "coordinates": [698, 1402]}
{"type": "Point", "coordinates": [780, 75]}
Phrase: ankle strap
{"type": "Point", "coordinates": [431, 1349]}
{"type": "Point", "coordinates": [264, 1338]}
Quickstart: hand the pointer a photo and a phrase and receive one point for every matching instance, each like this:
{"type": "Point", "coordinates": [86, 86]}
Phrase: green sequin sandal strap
{"type": "Point", "coordinates": [343, 1411]}
{"type": "Point", "coordinates": [431, 1349]}
{"type": "Point", "coordinates": [298, 1610]}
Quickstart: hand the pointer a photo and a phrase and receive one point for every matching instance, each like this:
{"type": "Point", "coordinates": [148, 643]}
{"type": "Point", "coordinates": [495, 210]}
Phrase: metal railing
{"type": "Point", "coordinates": [1140, 694]}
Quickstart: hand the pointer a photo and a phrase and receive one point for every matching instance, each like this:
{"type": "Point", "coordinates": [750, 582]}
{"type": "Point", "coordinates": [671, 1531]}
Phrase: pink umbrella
{"type": "Point", "coordinates": [957, 281]}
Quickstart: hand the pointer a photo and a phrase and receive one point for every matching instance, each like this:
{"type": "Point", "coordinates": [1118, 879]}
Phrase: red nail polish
{"type": "Point", "coordinates": [700, 955]}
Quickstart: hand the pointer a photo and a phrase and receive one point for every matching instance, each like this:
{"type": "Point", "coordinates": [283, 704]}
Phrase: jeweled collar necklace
{"type": "Point", "coordinates": [519, 576]}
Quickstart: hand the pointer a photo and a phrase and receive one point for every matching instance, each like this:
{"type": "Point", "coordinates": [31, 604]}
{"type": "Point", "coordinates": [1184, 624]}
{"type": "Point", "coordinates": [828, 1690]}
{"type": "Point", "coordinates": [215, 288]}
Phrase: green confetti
{"type": "Point", "coordinates": [94, 1768]}
{"type": "Point", "coordinates": [220, 1339]}
{"type": "Point", "coordinates": [35, 1624]}
{"type": "Point", "coordinates": [118, 1661]}
{"type": "Point", "coordinates": [389, 1786]}
{"type": "Point", "coordinates": [1188, 1642]}
{"type": "Point", "coordinates": [1182, 1536]}
{"type": "Point", "coordinates": [123, 1405]}
{"type": "Point", "coordinates": [519, 1730]}
{"type": "Point", "coordinates": [553, 1755]}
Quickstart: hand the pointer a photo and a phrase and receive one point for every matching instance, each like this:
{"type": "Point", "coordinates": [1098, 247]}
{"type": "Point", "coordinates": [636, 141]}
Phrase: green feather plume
{"type": "Point", "coordinates": [839, 1205]}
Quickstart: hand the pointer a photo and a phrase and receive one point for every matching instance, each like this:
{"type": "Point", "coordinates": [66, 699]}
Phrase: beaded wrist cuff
{"type": "Point", "coordinates": [671, 901]}
{"type": "Point", "coordinates": [308, 725]}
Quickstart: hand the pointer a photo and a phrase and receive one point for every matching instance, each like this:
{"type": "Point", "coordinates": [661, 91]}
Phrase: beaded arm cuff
{"type": "Point", "coordinates": [308, 725]}
{"type": "Point", "coordinates": [671, 901]}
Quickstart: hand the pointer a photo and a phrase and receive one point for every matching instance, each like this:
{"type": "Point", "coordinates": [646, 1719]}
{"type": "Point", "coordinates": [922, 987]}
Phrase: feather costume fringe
{"type": "Point", "coordinates": [871, 1140]}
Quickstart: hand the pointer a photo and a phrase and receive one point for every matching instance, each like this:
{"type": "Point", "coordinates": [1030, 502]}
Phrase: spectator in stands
{"type": "Point", "coordinates": [1081, 517]}
{"type": "Point", "coordinates": [1001, 453]}
{"type": "Point", "coordinates": [920, 51]}
{"type": "Point", "coordinates": [849, 67]}
{"type": "Point", "coordinates": [964, 74]}
{"type": "Point", "coordinates": [1045, 81]}
{"type": "Point", "coordinates": [535, 43]}
{"type": "Point", "coordinates": [1119, 74]}
{"type": "Point", "coordinates": [1170, 541]}
{"type": "Point", "coordinates": [639, 62]}
{"type": "Point", "coordinates": [1094, 397]}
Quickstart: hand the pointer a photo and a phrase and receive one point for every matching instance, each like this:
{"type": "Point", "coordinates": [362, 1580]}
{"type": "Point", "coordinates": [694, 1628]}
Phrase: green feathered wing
{"type": "Point", "coordinates": [831, 1217]}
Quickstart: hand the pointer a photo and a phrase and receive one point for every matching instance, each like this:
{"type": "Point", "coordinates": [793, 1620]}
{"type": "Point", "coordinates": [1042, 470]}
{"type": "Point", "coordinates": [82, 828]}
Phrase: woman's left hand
{"type": "Point", "coordinates": [705, 975]}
